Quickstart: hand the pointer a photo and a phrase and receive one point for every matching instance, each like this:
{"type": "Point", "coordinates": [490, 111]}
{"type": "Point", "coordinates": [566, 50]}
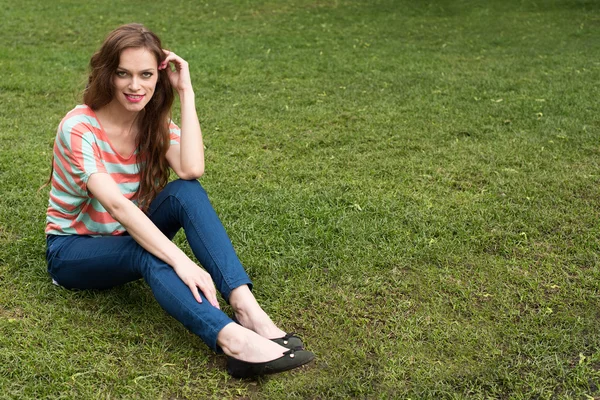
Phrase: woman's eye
{"type": "Point", "coordinates": [121, 74]}
{"type": "Point", "coordinates": [147, 74]}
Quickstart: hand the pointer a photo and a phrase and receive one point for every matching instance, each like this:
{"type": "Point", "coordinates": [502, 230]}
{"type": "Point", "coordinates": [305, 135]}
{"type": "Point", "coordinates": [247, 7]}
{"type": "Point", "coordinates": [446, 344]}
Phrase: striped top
{"type": "Point", "coordinates": [81, 149]}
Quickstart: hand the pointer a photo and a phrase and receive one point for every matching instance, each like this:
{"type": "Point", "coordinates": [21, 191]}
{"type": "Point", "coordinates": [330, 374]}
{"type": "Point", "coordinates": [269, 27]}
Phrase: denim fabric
{"type": "Point", "coordinates": [85, 262]}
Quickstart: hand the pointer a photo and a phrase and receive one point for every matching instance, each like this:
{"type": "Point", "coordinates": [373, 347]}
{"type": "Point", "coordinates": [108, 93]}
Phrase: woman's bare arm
{"type": "Point", "coordinates": [141, 228]}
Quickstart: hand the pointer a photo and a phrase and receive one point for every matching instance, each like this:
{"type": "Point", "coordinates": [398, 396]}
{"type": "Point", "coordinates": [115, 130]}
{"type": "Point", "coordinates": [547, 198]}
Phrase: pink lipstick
{"type": "Point", "coordinates": [134, 98]}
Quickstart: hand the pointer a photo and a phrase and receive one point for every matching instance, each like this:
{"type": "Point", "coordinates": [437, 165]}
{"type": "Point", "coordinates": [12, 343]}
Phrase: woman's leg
{"type": "Point", "coordinates": [84, 262]}
{"type": "Point", "coordinates": [185, 204]}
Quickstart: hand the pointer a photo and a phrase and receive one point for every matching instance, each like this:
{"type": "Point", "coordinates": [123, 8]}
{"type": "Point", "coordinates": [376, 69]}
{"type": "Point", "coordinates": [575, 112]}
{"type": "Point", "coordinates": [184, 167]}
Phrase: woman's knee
{"type": "Point", "coordinates": [186, 189]}
{"type": "Point", "coordinates": [185, 185]}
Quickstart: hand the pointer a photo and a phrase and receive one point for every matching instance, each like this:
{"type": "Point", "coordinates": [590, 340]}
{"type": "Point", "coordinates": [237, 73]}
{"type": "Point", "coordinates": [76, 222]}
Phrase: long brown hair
{"type": "Point", "coordinates": [153, 137]}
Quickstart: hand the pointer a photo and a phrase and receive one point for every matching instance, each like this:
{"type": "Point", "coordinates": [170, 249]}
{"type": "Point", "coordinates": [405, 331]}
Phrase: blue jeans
{"type": "Point", "coordinates": [86, 262]}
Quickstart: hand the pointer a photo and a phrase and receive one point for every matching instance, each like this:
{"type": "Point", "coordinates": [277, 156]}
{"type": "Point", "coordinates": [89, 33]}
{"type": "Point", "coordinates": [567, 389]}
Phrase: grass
{"type": "Point", "coordinates": [412, 186]}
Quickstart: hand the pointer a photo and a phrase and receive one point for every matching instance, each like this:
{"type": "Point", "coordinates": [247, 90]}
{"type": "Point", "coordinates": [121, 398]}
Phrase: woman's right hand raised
{"type": "Point", "coordinates": [196, 278]}
{"type": "Point", "coordinates": [180, 75]}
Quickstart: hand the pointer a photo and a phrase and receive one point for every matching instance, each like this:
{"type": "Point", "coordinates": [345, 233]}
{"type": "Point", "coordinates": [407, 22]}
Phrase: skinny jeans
{"type": "Point", "coordinates": [86, 262]}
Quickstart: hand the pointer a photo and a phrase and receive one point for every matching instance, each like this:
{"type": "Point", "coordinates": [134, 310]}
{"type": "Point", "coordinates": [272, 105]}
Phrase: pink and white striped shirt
{"type": "Point", "coordinates": [81, 149]}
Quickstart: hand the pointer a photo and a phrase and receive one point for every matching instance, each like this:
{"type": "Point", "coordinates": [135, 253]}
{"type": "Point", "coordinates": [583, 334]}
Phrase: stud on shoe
{"type": "Point", "coordinates": [291, 359]}
{"type": "Point", "coordinates": [290, 341]}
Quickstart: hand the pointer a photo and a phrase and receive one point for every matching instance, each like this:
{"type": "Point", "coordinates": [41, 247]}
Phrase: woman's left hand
{"type": "Point", "coordinates": [180, 76]}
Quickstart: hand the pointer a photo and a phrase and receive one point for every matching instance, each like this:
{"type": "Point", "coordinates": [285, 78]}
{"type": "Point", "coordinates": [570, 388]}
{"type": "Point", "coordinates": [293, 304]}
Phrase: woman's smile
{"type": "Point", "coordinates": [134, 98]}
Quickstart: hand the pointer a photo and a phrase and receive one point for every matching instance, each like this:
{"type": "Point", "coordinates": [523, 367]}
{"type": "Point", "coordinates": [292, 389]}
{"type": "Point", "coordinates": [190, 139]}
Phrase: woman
{"type": "Point", "coordinates": [112, 213]}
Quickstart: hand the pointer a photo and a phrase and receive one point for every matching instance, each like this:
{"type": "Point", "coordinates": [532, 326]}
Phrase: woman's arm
{"type": "Point", "coordinates": [139, 226]}
{"type": "Point", "coordinates": [186, 159]}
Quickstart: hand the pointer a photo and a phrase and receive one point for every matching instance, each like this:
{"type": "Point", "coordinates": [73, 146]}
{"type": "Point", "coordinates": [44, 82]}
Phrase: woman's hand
{"type": "Point", "coordinates": [195, 277]}
{"type": "Point", "coordinates": [180, 76]}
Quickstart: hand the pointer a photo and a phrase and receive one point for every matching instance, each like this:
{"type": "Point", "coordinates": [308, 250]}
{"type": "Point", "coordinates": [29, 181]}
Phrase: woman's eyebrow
{"type": "Point", "coordinates": [144, 70]}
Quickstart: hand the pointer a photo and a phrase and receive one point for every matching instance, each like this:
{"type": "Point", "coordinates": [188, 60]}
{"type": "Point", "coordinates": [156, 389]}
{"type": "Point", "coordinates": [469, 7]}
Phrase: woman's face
{"type": "Point", "coordinates": [135, 79]}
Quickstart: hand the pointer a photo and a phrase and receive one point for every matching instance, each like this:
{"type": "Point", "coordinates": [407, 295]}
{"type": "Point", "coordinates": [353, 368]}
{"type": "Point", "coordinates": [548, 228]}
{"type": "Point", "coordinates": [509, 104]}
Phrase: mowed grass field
{"type": "Point", "coordinates": [413, 186]}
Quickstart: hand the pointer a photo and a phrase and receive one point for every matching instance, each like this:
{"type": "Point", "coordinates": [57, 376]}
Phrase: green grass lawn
{"type": "Point", "coordinates": [413, 186]}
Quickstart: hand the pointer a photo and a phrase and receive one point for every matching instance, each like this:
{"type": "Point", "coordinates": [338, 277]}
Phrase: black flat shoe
{"type": "Point", "coordinates": [290, 341]}
{"type": "Point", "coordinates": [291, 359]}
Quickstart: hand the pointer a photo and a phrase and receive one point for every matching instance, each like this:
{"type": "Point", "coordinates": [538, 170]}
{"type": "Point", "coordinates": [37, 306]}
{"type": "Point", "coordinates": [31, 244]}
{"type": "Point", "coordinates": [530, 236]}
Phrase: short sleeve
{"type": "Point", "coordinates": [174, 133]}
{"type": "Point", "coordinates": [78, 154]}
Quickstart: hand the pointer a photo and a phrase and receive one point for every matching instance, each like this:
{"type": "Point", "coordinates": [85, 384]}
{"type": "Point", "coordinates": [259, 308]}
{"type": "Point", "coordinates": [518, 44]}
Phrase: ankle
{"type": "Point", "coordinates": [233, 340]}
{"type": "Point", "coordinates": [240, 298]}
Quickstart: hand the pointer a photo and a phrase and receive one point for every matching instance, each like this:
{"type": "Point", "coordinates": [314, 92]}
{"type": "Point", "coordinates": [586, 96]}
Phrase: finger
{"type": "Point", "coordinates": [165, 63]}
{"type": "Point", "coordinates": [170, 57]}
{"type": "Point", "coordinates": [178, 62]}
{"type": "Point", "coordinates": [212, 299]}
{"type": "Point", "coordinates": [210, 293]}
{"type": "Point", "coordinates": [195, 293]}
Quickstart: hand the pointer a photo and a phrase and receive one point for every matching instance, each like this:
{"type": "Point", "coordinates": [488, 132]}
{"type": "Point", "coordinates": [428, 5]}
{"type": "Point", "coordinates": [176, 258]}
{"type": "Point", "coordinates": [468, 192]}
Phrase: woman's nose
{"type": "Point", "coordinates": [134, 84]}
